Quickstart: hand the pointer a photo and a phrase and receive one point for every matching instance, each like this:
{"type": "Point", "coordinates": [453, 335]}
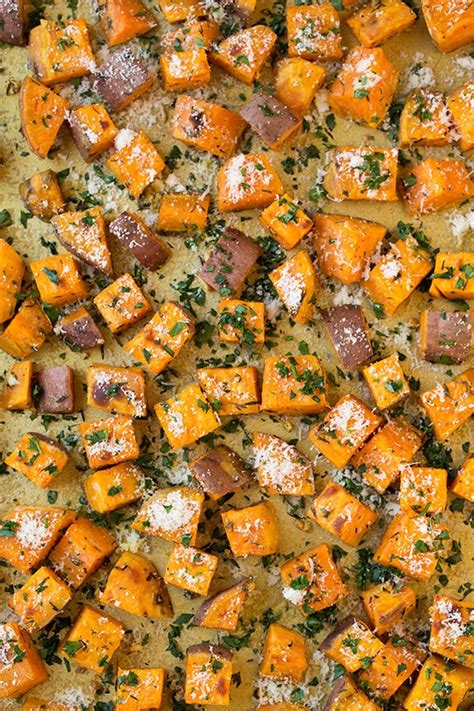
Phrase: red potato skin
{"type": "Point", "coordinates": [120, 78]}
{"type": "Point", "coordinates": [348, 331]}
{"type": "Point", "coordinates": [448, 335]}
{"type": "Point", "coordinates": [230, 262]}
{"type": "Point", "coordinates": [145, 246]}
{"type": "Point", "coordinates": [56, 390]}
{"type": "Point", "coordinates": [13, 22]}
{"type": "Point", "coordinates": [220, 471]}
{"type": "Point", "coordinates": [269, 119]}
{"type": "Point", "coordinates": [82, 333]}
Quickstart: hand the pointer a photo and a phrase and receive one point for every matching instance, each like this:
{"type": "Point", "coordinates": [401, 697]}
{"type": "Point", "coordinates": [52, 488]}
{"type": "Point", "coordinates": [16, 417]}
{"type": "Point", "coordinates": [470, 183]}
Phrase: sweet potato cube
{"type": "Point", "coordinates": [187, 69]}
{"type": "Point", "coordinates": [195, 33]}
{"type": "Point", "coordinates": [452, 629]}
{"type": "Point", "coordinates": [135, 586]}
{"type": "Point", "coordinates": [340, 513]}
{"type": "Point", "coordinates": [207, 126]}
{"type": "Point", "coordinates": [295, 282]}
{"type": "Point", "coordinates": [144, 687]}
{"type": "Point", "coordinates": [42, 113]}
{"type": "Point", "coordinates": [246, 182]}
{"type": "Point", "coordinates": [110, 489]}
{"type": "Point", "coordinates": [284, 654]}
{"type": "Point", "coordinates": [13, 270]}
{"type": "Point", "coordinates": [314, 32]}
{"type": "Point", "coordinates": [231, 391]}
{"type": "Point", "coordinates": [461, 108]}
{"type": "Point", "coordinates": [294, 385]}
{"type": "Point", "coordinates": [42, 194]}
{"type": "Point", "coordinates": [411, 544]}
{"type": "Point", "coordinates": [177, 10]}
{"type": "Point", "coordinates": [453, 276]}
{"type": "Point", "coordinates": [243, 54]}
{"type": "Point", "coordinates": [312, 581]}
{"type": "Point", "coordinates": [281, 468]}
{"type": "Point", "coordinates": [121, 79]}
{"type": "Point", "coordinates": [17, 391]}
{"type": "Point", "coordinates": [21, 667]}
{"type": "Point", "coordinates": [438, 682]}
{"type": "Point", "coordinates": [136, 162]}
{"type": "Point", "coordinates": [81, 551]}
{"type": "Point", "coordinates": [391, 667]}
{"type": "Point", "coordinates": [220, 471]}
{"type": "Point", "coordinates": [122, 303]}
{"type": "Point", "coordinates": [344, 430]}
{"type": "Point", "coordinates": [179, 213]}
{"type": "Point", "coordinates": [386, 381]}
{"type": "Point", "coordinates": [450, 26]}
{"type": "Point", "coordinates": [376, 22]}
{"type": "Point", "coordinates": [40, 599]}
{"type": "Point", "coordinates": [425, 120]}
{"type": "Point", "coordinates": [172, 513]}
{"type": "Point", "coordinates": [241, 322]}
{"type": "Point", "coordinates": [56, 390]}
{"type": "Point", "coordinates": [358, 173]}
{"type": "Point", "coordinates": [381, 458]}
{"type": "Point", "coordinates": [397, 274]}
{"type": "Point", "coordinates": [186, 416]}
{"type": "Point", "coordinates": [109, 442]}
{"type": "Point", "coordinates": [39, 458]}
{"type": "Point", "coordinates": [60, 51]}
{"type": "Point", "coordinates": [58, 280]}
{"type": "Point", "coordinates": [208, 675]}
{"type": "Point", "coordinates": [190, 569]}
{"type": "Point", "coordinates": [463, 483]}
{"type": "Point", "coordinates": [14, 22]}
{"type": "Point", "coordinates": [122, 20]}
{"type": "Point", "coordinates": [345, 696]}
{"type": "Point", "coordinates": [435, 185]}
{"type": "Point", "coordinates": [423, 489]}
{"type": "Point", "coordinates": [92, 640]}
{"type": "Point", "coordinates": [287, 222]}
{"type": "Point", "coordinates": [143, 244]}
{"type": "Point", "coordinates": [387, 604]}
{"type": "Point", "coordinates": [271, 120]}
{"type": "Point", "coordinates": [350, 643]}
{"type": "Point", "coordinates": [117, 390]}
{"type": "Point", "coordinates": [450, 405]}
{"type": "Point", "coordinates": [231, 260]}
{"type": "Point", "coordinates": [297, 82]}
{"type": "Point", "coordinates": [363, 89]}
{"type": "Point", "coordinates": [79, 330]}
{"type": "Point", "coordinates": [223, 610]}
{"type": "Point", "coordinates": [349, 333]}
{"type": "Point", "coordinates": [445, 336]}
{"type": "Point", "coordinates": [252, 530]}
{"type": "Point", "coordinates": [92, 129]}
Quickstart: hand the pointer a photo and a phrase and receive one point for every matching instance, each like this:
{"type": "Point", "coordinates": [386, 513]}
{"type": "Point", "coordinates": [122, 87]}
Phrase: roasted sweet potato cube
{"type": "Point", "coordinates": [453, 276]}
{"type": "Point", "coordinates": [391, 667]}
{"type": "Point", "coordinates": [452, 635]}
{"type": "Point", "coordinates": [363, 90]}
{"type": "Point", "coordinates": [81, 551]}
{"type": "Point", "coordinates": [376, 22]}
{"type": "Point", "coordinates": [387, 604]}
{"type": "Point", "coordinates": [436, 184]}
{"type": "Point", "coordinates": [450, 405]}
{"type": "Point", "coordinates": [195, 33]}
{"type": "Point", "coordinates": [55, 386]}
{"type": "Point", "coordinates": [312, 581]}
{"type": "Point", "coordinates": [294, 385]}
{"type": "Point", "coordinates": [345, 696]}
{"type": "Point", "coordinates": [281, 468]}
{"type": "Point", "coordinates": [220, 471]}
{"type": "Point", "coordinates": [92, 129]}
{"type": "Point", "coordinates": [207, 126]}
{"type": "Point", "coordinates": [42, 194]}
{"type": "Point", "coordinates": [246, 182]}
{"type": "Point", "coordinates": [184, 70]}
{"type": "Point", "coordinates": [122, 20]}
{"type": "Point", "coordinates": [450, 26]}
{"type": "Point", "coordinates": [271, 120]}
{"type": "Point", "coordinates": [121, 79]}
{"type": "Point", "coordinates": [314, 32]}
{"type": "Point", "coordinates": [186, 416]}
{"type": "Point", "coordinates": [349, 333]}
{"type": "Point", "coordinates": [13, 22]}
{"type": "Point", "coordinates": [122, 303]}
{"type": "Point", "coordinates": [39, 458]}
{"type": "Point", "coordinates": [423, 489]}
{"type": "Point", "coordinates": [79, 330]}
{"type": "Point", "coordinates": [13, 270]}
{"type": "Point", "coordinates": [445, 336]}
{"type": "Point", "coordinates": [190, 569]}
{"type": "Point", "coordinates": [231, 260]}
{"type": "Point", "coordinates": [438, 682]}
{"type": "Point", "coordinates": [136, 162]}
{"type": "Point", "coordinates": [461, 108]}
{"type": "Point", "coordinates": [231, 391]}
{"type": "Point", "coordinates": [60, 51]}
{"type": "Point", "coordinates": [284, 654]}
{"type": "Point", "coordinates": [177, 10]}
{"type": "Point", "coordinates": [358, 173]}
{"type": "Point", "coordinates": [17, 386]}
{"type": "Point", "coordinates": [172, 513]}
{"type": "Point", "coordinates": [425, 120]}
{"type": "Point", "coordinates": [42, 113]}
{"type": "Point", "coordinates": [208, 675]}
{"type": "Point", "coordinates": [243, 54]}
{"type": "Point", "coordinates": [144, 687]}
{"type": "Point", "coordinates": [397, 274]}
{"type": "Point", "coordinates": [241, 322]}
{"type": "Point", "coordinates": [92, 640]}
{"type": "Point", "coordinates": [350, 643]}
{"type": "Point", "coordinates": [115, 389]}
{"type": "Point", "coordinates": [111, 489]}
{"type": "Point", "coordinates": [287, 222]}
{"type": "Point", "coordinates": [135, 586]}
{"type": "Point", "coordinates": [223, 610]}
{"type": "Point", "coordinates": [252, 530]}
{"type": "Point", "coordinates": [386, 381]}
{"type": "Point", "coordinates": [340, 513]}
{"type": "Point", "coordinates": [143, 244]}
{"type": "Point", "coordinates": [21, 667]}
{"type": "Point", "coordinates": [109, 442]}
{"type": "Point", "coordinates": [40, 599]}
{"type": "Point", "coordinates": [463, 483]}
{"type": "Point", "coordinates": [381, 458]}
{"type": "Point", "coordinates": [295, 283]}
{"type": "Point", "coordinates": [179, 212]}
{"type": "Point", "coordinates": [411, 544]}
{"type": "Point", "coordinates": [58, 280]}
{"type": "Point", "coordinates": [296, 83]}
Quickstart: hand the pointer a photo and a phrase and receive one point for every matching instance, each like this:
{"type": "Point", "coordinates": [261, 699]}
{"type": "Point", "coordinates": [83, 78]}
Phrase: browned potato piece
{"type": "Point", "coordinates": [445, 336]}
{"type": "Point", "coordinates": [271, 120]}
{"type": "Point", "coordinates": [13, 22]}
{"type": "Point", "coordinates": [79, 330]}
{"type": "Point", "coordinates": [232, 259]}
{"type": "Point", "coordinates": [349, 334]}
{"type": "Point", "coordinates": [220, 471]}
{"type": "Point", "coordinates": [143, 244]}
{"type": "Point", "coordinates": [56, 389]}
{"type": "Point", "coordinates": [42, 194]}
{"type": "Point", "coordinates": [222, 611]}
{"type": "Point", "coordinates": [121, 79]}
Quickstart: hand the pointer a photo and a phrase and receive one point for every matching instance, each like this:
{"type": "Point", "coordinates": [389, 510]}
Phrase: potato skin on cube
{"type": "Point", "coordinates": [79, 330]}
{"type": "Point", "coordinates": [220, 471]}
{"type": "Point", "coordinates": [56, 389]}
{"type": "Point", "coordinates": [13, 25]}
{"type": "Point", "coordinates": [121, 79]}
{"type": "Point", "coordinates": [270, 120]}
{"type": "Point", "coordinates": [230, 262]}
{"type": "Point", "coordinates": [349, 333]}
{"type": "Point", "coordinates": [252, 530]}
{"type": "Point", "coordinates": [143, 244]}
{"type": "Point", "coordinates": [445, 336]}
{"type": "Point", "coordinates": [222, 611]}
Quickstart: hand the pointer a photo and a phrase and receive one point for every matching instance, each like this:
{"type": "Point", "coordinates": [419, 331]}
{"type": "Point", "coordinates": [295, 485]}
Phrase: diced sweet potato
{"type": "Point", "coordinates": [387, 604]}
{"type": "Point", "coordinates": [295, 282]}
{"type": "Point", "coordinates": [270, 120]}
{"type": "Point", "coordinates": [284, 654]}
{"type": "Point", "coordinates": [136, 162]}
{"type": "Point", "coordinates": [243, 54]}
{"type": "Point", "coordinates": [453, 276]}
{"type": "Point", "coordinates": [450, 26]}
{"type": "Point", "coordinates": [452, 634]}
{"type": "Point", "coordinates": [21, 667]}
{"type": "Point", "coordinates": [27, 331]}
{"type": "Point", "coordinates": [345, 696]}
{"type": "Point", "coordinates": [56, 389]}
{"type": "Point", "coordinates": [13, 16]}
{"type": "Point", "coordinates": [92, 129]}
{"type": "Point", "coordinates": [358, 173]}
{"type": "Point", "coordinates": [122, 303]}
{"type": "Point", "coordinates": [252, 530]}
{"type": "Point", "coordinates": [220, 471]}
{"type": "Point", "coordinates": [450, 405]}
{"type": "Point", "coordinates": [40, 599]}
{"type": "Point", "coordinates": [13, 270]}
{"type": "Point", "coordinates": [177, 10]}
{"type": "Point", "coordinates": [195, 33]}
{"type": "Point", "coordinates": [143, 244]}
{"type": "Point", "coordinates": [294, 385]}
{"type": "Point", "coordinates": [386, 381]}
{"type": "Point", "coordinates": [190, 569]}
{"type": "Point", "coordinates": [208, 675]}
{"type": "Point", "coordinates": [435, 185]}
{"type": "Point", "coordinates": [121, 79]}
{"type": "Point", "coordinates": [179, 212]}
{"type": "Point", "coordinates": [425, 120]}
{"type": "Point", "coordinates": [376, 22]}
{"type": "Point", "coordinates": [342, 514]}
{"type": "Point", "coordinates": [122, 20]}
{"type": "Point", "coordinates": [463, 483]}
{"type": "Point", "coordinates": [38, 457]}
{"type": "Point", "coordinates": [17, 386]}
{"type": "Point", "coordinates": [109, 442]}
{"type": "Point", "coordinates": [461, 108]}
{"type": "Point", "coordinates": [172, 513]}
{"type": "Point", "coordinates": [351, 642]}
{"type": "Point", "coordinates": [140, 686]}
{"type": "Point", "coordinates": [184, 70]}
{"type": "Point", "coordinates": [59, 280]}
{"type": "Point", "coordinates": [231, 260]}
{"type": "Point", "coordinates": [287, 222]}
{"type": "Point", "coordinates": [423, 489]}
{"type": "Point", "coordinates": [207, 126]}
{"type": "Point", "coordinates": [349, 333]}
{"type": "Point", "coordinates": [246, 182]}
{"type": "Point", "coordinates": [391, 667]}
{"type": "Point", "coordinates": [231, 391]}
{"type": "Point", "coordinates": [445, 336]}
{"type": "Point", "coordinates": [111, 489]}
{"type": "Point", "coordinates": [42, 113]}
{"type": "Point", "coordinates": [314, 32]}
{"type": "Point", "coordinates": [115, 389]}
{"type": "Point", "coordinates": [296, 83]}
{"type": "Point", "coordinates": [42, 194]}
{"type": "Point", "coordinates": [60, 51]}
{"type": "Point", "coordinates": [79, 330]}
{"type": "Point", "coordinates": [223, 610]}
{"type": "Point", "coordinates": [135, 586]}
{"type": "Point", "coordinates": [186, 416]}
{"type": "Point", "coordinates": [92, 640]}
{"type": "Point", "coordinates": [281, 468]}
{"type": "Point", "coordinates": [241, 322]}
{"type": "Point", "coordinates": [438, 683]}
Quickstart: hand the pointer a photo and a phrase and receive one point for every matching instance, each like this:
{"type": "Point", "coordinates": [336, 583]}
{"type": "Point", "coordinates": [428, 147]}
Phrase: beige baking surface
{"type": "Point", "coordinates": [152, 114]}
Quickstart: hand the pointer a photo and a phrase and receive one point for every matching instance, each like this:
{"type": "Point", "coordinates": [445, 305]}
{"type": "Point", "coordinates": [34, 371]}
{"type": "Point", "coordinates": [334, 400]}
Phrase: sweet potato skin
{"type": "Point", "coordinates": [220, 471]}
{"type": "Point", "coordinates": [348, 331]}
{"type": "Point", "coordinates": [445, 336]}
{"type": "Point", "coordinates": [222, 611]}
{"type": "Point", "coordinates": [13, 22]}
{"type": "Point", "coordinates": [269, 119]}
{"type": "Point", "coordinates": [56, 385]}
{"type": "Point", "coordinates": [79, 330]}
{"type": "Point", "coordinates": [144, 245]}
{"type": "Point", "coordinates": [230, 262]}
{"type": "Point", "coordinates": [121, 79]}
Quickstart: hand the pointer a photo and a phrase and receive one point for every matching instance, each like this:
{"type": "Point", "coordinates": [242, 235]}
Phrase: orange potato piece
{"type": "Point", "coordinates": [39, 458]}
{"type": "Point", "coordinates": [42, 113]}
{"type": "Point", "coordinates": [122, 20]}
{"type": "Point", "coordinates": [463, 483]}
{"type": "Point", "coordinates": [358, 173]}
{"type": "Point", "coordinates": [21, 667]}
{"type": "Point", "coordinates": [342, 514]}
{"type": "Point", "coordinates": [223, 610]}
{"type": "Point", "coordinates": [17, 390]}
{"type": "Point", "coordinates": [425, 119]}
{"type": "Point", "coordinates": [172, 513]}
{"type": "Point", "coordinates": [40, 599]}
{"type": "Point", "coordinates": [314, 32]}
{"type": "Point", "coordinates": [92, 640]}
{"type": "Point", "coordinates": [252, 530]}
{"type": "Point", "coordinates": [438, 681]}
{"type": "Point", "coordinates": [376, 22]}
{"type": "Point", "coordinates": [461, 108]}
{"type": "Point", "coordinates": [144, 687]}
{"type": "Point", "coordinates": [84, 234]}
{"type": "Point", "coordinates": [241, 322]}
{"type": "Point", "coordinates": [13, 270]}
{"type": "Point", "coordinates": [60, 51]}
{"type": "Point", "coordinates": [179, 212]}
{"type": "Point", "coordinates": [186, 416]}
{"type": "Point", "coordinates": [295, 283]}
{"type": "Point", "coordinates": [177, 10]}
{"type": "Point", "coordinates": [453, 276]}
{"type": "Point", "coordinates": [122, 303]}
{"type": "Point", "coordinates": [350, 643]}
{"type": "Point", "coordinates": [231, 391]}
{"type": "Point", "coordinates": [345, 696]}
{"type": "Point", "coordinates": [117, 390]}
{"type": "Point", "coordinates": [423, 489]}
{"type": "Point", "coordinates": [58, 280]}
{"type": "Point", "coordinates": [208, 675]}
{"type": "Point", "coordinates": [391, 667]}
{"type": "Point", "coordinates": [109, 442]}
{"type": "Point", "coordinates": [386, 605]}
{"type": "Point", "coordinates": [294, 385]}
{"type": "Point", "coordinates": [110, 489]}
{"type": "Point", "coordinates": [136, 162]}
{"type": "Point", "coordinates": [386, 381]}
{"type": "Point", "coordinates": [243, 54]}
{"type": "Point", "coordinates": [281, 468]}
{"type": "Point", "coordinates": [435, 185]}
{"type": "Point", "coordinates": [42, 194]}
{"type": "Point", "coordinates": [246, 182]}
{"type": "Point", "coordinates": [195, 33]}
{"type": "Point", "coordinates": [287, 222]}
{"type": "Point", "coordinates": [450, 26]}
{"type": "Point", "coordinates": [297, 82]}
{"type": "Point", "coordinates": [92, 129]}
{"type": "Point", "coordinates": [188, 69]}
{"type": "Point", "coordinates": [284, 654]}
{"type": "Point", "coordinates": [451, 629]}
{"type": "Point", "coordinates": [450, 405]}
{"type": "Point", "coordinates": [190, 569]}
